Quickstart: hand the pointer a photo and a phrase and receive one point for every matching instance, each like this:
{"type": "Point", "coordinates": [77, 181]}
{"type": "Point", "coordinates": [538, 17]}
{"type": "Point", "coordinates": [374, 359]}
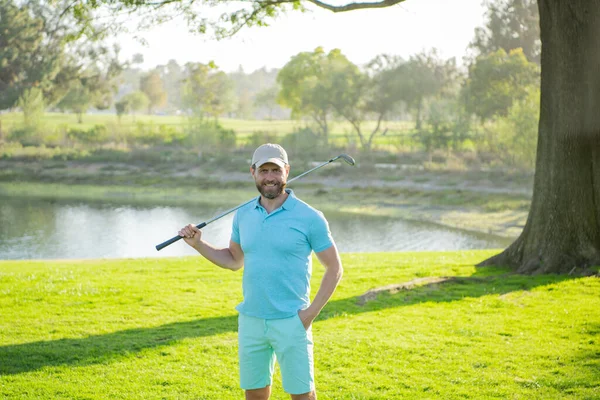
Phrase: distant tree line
{"type": "Point", "coordinates": [490, 106]}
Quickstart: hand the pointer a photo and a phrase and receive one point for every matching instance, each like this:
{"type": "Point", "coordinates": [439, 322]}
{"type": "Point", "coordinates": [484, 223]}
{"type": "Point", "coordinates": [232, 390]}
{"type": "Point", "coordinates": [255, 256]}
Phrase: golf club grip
{"type": "Point", "coordinates": [175, 238]}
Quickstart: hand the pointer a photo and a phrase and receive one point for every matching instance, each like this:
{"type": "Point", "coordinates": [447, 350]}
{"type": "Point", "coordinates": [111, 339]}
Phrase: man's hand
{"type": "Point", "coordinates": [191, 235]}
{"type": "Point", "coordinates": [307, 317]}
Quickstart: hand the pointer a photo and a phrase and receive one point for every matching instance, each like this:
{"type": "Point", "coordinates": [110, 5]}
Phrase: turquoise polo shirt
{"type": "Point", "coordinates": [277, 255]}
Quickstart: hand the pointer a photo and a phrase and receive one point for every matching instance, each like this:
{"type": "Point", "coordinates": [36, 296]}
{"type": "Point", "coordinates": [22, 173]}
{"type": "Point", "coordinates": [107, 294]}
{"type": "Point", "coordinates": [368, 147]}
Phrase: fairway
{"type": "Point", "coordinates": [243, 127]}
{"type": "Point", "coordinates": [166, 329]}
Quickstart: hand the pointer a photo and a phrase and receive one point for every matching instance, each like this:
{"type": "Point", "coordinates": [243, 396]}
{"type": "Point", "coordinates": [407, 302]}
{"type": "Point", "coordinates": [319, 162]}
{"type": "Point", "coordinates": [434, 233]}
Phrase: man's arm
{"type": "Point", "coordinates": [330, 259]}
{"type": "Point", "coordinates": [231, 257]}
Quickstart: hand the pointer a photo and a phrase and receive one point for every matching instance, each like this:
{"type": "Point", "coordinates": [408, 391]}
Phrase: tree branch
{"type": "Point", "coordinates": [355, 6]}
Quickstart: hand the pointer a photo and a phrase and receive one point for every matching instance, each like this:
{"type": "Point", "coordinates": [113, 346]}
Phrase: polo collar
{"type": "Point", "coordinates": [288, 204]}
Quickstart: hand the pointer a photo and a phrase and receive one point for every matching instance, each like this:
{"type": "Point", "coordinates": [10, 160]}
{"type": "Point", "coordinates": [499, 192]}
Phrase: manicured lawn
{"type": "Point", "coordinates": [52, 120]}
{"type": "Point", "coordinates": [341, 132]}
{"type": "Point", "coordinates": [166, 329]}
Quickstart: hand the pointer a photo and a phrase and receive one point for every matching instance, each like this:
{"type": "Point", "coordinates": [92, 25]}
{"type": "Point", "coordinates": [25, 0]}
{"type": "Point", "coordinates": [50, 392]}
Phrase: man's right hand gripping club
{"type": "Point", "coordinates": [231, 257]}
{"type": "Point", "coordinates": [191, 235]}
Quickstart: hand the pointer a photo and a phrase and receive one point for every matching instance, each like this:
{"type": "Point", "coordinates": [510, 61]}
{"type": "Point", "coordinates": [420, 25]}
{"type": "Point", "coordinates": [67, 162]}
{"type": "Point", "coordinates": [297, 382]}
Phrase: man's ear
{"type": "Point", "coordinates": [252, 170]}
{"type": "Point", "coordinates": [287, 169]}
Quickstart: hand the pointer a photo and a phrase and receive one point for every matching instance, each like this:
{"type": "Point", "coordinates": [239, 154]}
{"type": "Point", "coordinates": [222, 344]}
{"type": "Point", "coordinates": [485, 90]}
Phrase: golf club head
{"type": "Point", "coordinates": [349, 160]}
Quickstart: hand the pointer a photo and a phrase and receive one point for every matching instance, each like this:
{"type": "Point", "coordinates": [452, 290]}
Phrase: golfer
{"type": "Point", "coordinates": [273, 238]}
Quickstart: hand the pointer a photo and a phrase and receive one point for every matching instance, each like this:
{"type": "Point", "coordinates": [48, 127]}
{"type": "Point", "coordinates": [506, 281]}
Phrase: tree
{"type": "Point", "coordinates": [424, 76]}
{"type": "Point", "coordinates": [511, 24]}
{"type": "Point", "coordinates": [32, 104]}
{"type": "Point", "coordinates": [303, 87]}
{"type": "Point", "coordinates": [122, 108]}
{"type": "Point", "coordinates": [134, 101]}
{"type": "Point", "coordinates": [33, 51]}
{"type": "Point", "coordinates": [152, 85]}
{"type": "Point", "coordinates": [207, 91]}
{"type": "Point", "coordinates": [95, 85]}
{"type": "Point", "coordinates": [345, 88]}
{"type": "Point", "coordinates": [562, 233]}
{"type": "Point", "coordinates": [78, 100]}
{"type": "Point", "coordinates": [517, 132]}
{"type": "Point", "coordinates": [20, 39]}
{"type": "Point", "coordinates": [172, 77]}
{"type": "Point", "coordinates": [268, 99]}
{"type": "Point", "coordinates": [39, 49]}
{"type": "Point", "coordinates": [495, 81]}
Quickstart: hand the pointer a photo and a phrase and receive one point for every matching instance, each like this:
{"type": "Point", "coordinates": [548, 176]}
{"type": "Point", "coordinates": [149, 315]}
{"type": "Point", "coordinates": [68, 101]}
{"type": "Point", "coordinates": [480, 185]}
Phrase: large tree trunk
{"type": "Point", "coordinates": [562, 233]}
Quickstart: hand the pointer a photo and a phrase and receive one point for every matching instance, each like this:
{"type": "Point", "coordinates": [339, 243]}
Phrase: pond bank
{"type": "Point", "coordinates": [478, 202]}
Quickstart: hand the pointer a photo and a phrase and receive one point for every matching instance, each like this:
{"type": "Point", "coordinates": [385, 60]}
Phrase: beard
{"type": "Point", "coordinates": [271, 192]}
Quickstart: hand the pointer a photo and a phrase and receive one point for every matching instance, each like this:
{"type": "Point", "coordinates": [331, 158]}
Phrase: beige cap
{"type": "Point", "coordinates": [270, 152]}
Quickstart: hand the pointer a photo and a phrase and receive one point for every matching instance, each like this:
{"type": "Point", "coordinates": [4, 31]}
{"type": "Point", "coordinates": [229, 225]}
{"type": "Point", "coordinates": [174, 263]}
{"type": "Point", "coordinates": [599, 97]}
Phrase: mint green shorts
{"type": "Point", "coordinates": [261, 341]}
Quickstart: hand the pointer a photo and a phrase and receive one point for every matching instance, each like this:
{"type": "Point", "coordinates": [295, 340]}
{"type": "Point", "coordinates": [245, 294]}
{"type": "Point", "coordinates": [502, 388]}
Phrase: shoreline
{"type": "Point", "coordinates": [500, 223]}
{"type": "Point", "coordinates": [485, 202]}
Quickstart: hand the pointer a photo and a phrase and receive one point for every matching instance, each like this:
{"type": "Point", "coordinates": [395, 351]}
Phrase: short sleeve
{"type": "Point", "coordinates": [319, 235]}
{"type": "Point", "coordinates": [235, 231]}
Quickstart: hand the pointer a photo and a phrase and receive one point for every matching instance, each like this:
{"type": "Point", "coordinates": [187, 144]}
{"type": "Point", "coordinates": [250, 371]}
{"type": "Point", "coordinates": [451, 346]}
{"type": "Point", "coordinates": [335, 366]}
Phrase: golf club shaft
{"type": "Point", "coordinates": [203, 224]}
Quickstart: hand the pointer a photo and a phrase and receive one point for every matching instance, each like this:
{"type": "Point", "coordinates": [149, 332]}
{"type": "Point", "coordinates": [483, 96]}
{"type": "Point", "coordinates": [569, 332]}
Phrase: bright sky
{"type": "Point", "coordinates": [403, 30]}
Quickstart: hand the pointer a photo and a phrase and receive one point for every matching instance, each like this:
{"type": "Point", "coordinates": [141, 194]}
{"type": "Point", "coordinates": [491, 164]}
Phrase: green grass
{"type": "Point", "coordinates": [53, 125]}
{"type": "Point", "coordinates": [51, 120]}
{"type": "Point", "coordinates": [166, 329]}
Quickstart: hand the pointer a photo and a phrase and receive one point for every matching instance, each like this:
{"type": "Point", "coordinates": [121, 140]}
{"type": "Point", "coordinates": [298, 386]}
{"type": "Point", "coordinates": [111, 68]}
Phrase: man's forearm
{"type": "Point", "coordinates": [220, 257]}
{"type": "Point", "coordinates": [331, 278]}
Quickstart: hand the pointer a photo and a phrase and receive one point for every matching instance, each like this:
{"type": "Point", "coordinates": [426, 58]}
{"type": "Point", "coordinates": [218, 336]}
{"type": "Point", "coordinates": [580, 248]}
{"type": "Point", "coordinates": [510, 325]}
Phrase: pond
{"type": "Point", "coordinates": [34, 229]}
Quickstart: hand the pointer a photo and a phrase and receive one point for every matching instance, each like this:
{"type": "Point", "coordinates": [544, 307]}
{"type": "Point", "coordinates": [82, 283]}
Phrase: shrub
{"type": "Point", "coordinates": [98, 134]}
{"type": "Point", "coordinates": [261, 137]}
{"type": "Point", "coordinates": [210, 136]}
{"type": "Point", "coordinates": [305, 144]}
{"type": "Point", "coordinates": [157, 135]}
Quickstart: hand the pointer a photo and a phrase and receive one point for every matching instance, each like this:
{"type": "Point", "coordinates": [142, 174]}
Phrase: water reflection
{"type": "Point", "coordinates": [49, 230]}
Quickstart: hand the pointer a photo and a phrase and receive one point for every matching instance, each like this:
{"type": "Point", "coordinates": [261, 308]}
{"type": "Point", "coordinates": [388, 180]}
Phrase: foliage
{"type": "Point", "coordinates": [515, 136]}
{"type": "Point", "coordinates": [304, 86]}
{"type": "Point", "coordinates": [496, 80]}
{"type": "Point", "coordinates": [346, 87]}
{"type": "Point", "coordinates": [32, 104]}
{"type": "Point", "coordinates": [209, 136]}
{"type": "Point", "coordinates": [206, 91]}
{"type": "Point", "coordinates": [121, 108]}
{"type": "Point", "coordinates": [374, 94]}
{"type": "Point", "coordinates": [98, 134]}
{"type": "Point", "coordinates": [31, 50]}
{"type": "Point", "coordinates": [260, 137]}
{"type": "Point", "coordinates": [21, 39]}
{"type": "Point", "coordinates": [267, 98]}
{"type": "Point", "coordinates": [171, 75]}
{"type": "Point", "coordinates": [423, 77]}
{"type": "Point", "coordinates": [39, 49]}
{"type": "Point", "coordinates": [151, 134]}
{"type": "Point", "coordinates": [95, 84]}
{"type": "Point", "coordinates": [134, 101]}
{"type": "Point", "coordinates": [305, 144]}
{"type": "Point", "coordinates": [510, 24]}
{"type": "Point", "coordinates": [152, 85]}
{"type": "Point", "coordinates": [385, 87]}
{"type": "Point", "coordinates": [78, 99]}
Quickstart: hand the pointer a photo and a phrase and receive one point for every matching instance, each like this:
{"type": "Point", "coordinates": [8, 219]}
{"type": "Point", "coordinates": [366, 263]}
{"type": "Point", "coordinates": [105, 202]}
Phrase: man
{"type": "Point", "coordinates": [273, 238]}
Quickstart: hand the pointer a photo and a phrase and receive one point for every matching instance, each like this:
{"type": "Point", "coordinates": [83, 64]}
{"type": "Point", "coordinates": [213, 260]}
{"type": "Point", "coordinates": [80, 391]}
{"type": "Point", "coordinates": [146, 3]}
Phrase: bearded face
{"type": "Point", "coordinates": [270, 180]}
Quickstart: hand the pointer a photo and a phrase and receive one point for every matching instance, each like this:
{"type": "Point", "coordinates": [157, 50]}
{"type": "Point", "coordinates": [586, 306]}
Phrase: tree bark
{"type": "Point", "coordinates": [562, 233]}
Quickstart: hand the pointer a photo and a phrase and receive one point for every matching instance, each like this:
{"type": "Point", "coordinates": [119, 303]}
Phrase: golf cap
{"type": "Point", "coordinates": [270, 153]}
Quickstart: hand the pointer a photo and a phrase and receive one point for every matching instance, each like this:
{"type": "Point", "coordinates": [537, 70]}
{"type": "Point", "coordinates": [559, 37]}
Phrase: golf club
{"type": "Point", "coordinates": [349, 160]}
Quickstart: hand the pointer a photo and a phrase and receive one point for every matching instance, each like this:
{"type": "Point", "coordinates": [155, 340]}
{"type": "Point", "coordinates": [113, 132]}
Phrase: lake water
{"type": "Point", "coordinates": [52, 230]}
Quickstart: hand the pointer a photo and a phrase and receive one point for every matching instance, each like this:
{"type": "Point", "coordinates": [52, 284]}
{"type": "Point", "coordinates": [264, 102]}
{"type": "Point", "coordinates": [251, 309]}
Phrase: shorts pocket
{"type": "Point", "coordinates": [300, 324]}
